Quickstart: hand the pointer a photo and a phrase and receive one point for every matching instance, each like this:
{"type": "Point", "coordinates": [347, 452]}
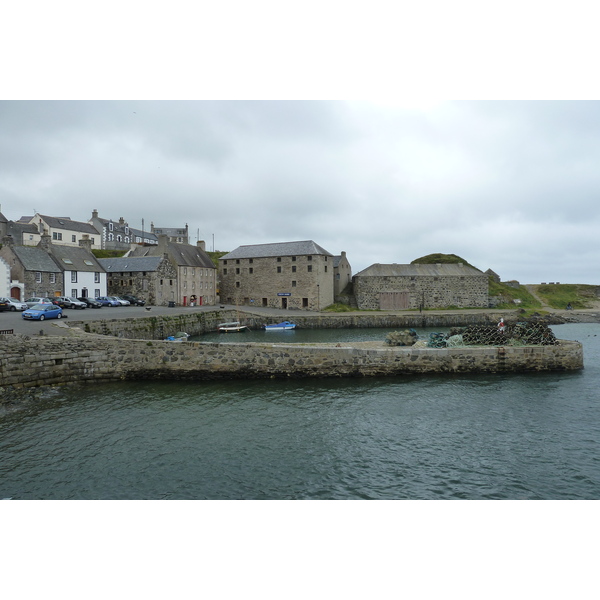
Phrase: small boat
{"type": "Point", "coordinates": [234, 326]}
{"type": "Point", "coordinates": [279, 326]}
{"type": "Point", "coordinates": [180, 336]}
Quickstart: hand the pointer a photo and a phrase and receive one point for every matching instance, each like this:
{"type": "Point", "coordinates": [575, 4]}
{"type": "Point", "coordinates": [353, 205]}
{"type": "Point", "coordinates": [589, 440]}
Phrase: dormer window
{"type": "Point", "coordinates": [110, 226]}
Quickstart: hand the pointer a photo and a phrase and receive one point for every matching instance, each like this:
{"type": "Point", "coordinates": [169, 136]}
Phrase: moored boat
{"type": "Point", "coordinates": [180, 336]}
{"type": "Point", "coordinates": [234, 326]}
{"type": "Point", "coordinates": [279, 326]}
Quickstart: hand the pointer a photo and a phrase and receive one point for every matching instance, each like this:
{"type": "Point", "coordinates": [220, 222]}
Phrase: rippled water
{"type": "Point", "coordinates": [529, 436]}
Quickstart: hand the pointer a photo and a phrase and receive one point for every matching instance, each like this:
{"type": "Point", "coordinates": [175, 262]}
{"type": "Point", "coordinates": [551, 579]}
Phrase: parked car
{"type": "Point", "coordinates": [37, 300]}
{"type": "Point", "coordinates": [121, 301]}
{"type": "Point", "coordinates": [134, 300]}
{"type": "Point", "coordinates": [91, 302]}
{"type": "Point", "coordinates": [4, 304]}
{"type": "Point", "coordinates": [13, 304]}
{"type": "Point", "coordinates": [70, 302]}
{"type": "Point", "coordinates": [43, 311]}
{"type": "Point", "coordinates": [108, 301]}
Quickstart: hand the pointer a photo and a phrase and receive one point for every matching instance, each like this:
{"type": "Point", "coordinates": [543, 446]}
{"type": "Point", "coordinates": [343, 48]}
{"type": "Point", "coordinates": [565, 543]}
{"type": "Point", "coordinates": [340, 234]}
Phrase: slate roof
{"type": "Point", "coordinates": [130, 263]}
{"type": "Point", "coordinates": [66, 223]}
{"type": "Point", "coordinates": [303, 248]}
{"type": "Point", "coordinates": [435, 270]}
{"type": "Point", "coordinates": [35, 259]}
{"type": "Point", "coordinates": [81, 259]}
{"type": "Point", "coordinates": [16, 230]}
{"type": "Point", "coordinates": [184, 255]}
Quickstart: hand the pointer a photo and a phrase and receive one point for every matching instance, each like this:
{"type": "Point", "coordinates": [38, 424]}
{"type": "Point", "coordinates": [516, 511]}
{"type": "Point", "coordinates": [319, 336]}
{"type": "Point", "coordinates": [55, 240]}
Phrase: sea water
{"type": "Point", "coordinates": [489, 436]}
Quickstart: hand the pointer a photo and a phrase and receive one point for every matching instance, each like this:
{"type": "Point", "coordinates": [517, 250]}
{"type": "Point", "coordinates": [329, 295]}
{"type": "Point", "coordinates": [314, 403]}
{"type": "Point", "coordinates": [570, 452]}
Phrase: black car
{"type": "Point", "coordinates": [91, 303]}
{"type": "Point", "coordinates": [134, 300]}
{"type": "Point", "coordinates": [4, 305]}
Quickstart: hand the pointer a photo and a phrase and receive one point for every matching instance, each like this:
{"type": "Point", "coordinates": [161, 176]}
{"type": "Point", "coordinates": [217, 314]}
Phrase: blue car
{"type": "Point", "coordinates": [43, 311]}
{"type": "Point", "coordinates": [108, 301]}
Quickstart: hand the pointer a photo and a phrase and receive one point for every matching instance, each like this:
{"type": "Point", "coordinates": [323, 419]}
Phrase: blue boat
{"type": "Point", "coordinates": [279, 326]}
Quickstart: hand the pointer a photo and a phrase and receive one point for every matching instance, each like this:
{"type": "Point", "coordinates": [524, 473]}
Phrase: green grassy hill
{"type": "Point", "coordinates": [434, 259]}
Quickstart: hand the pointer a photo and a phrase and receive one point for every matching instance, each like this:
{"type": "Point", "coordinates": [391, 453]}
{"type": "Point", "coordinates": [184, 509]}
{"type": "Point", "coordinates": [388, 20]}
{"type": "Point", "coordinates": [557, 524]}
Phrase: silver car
{"type": "Point", "coordinates": [14, 304]}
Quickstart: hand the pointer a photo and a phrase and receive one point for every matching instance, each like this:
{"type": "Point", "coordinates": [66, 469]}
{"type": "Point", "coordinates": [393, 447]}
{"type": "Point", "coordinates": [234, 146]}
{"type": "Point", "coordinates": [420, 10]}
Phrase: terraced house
{"type": "Point", "coordinates": [196, 278]}
{"type": "Point", "coordinates": [281, 275]}
{"type": "Point", "coordinates": [62, 230]}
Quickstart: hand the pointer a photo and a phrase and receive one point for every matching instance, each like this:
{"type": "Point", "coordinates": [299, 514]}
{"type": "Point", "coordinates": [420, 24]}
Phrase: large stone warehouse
{"type": "Point", "coordinates": [402, 287]}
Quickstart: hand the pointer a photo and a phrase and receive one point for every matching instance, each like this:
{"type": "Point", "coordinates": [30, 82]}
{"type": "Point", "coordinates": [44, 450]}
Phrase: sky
{"type": "Point", "coordinates": [509, 185]}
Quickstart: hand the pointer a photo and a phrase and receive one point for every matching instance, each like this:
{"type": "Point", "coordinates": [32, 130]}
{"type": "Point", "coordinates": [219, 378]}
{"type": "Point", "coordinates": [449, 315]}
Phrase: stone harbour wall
{"type": "Point", "coordinates": [50, 360]}
{"type": "Point", "coordinates": [197, 323]}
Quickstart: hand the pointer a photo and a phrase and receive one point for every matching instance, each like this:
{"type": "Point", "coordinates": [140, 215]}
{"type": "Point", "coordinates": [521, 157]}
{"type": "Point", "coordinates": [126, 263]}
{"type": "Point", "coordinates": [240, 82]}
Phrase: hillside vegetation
{"type": "Point", "coordinates": [215, 256]}
{"type": "Point", "coordinates": [558, 295]}
{"type": "Point", "coordinates": [434, 259]}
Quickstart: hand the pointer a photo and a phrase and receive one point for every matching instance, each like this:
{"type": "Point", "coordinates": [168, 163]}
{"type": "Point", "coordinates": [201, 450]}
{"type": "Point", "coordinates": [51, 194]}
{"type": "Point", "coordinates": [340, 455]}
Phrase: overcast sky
{"type": "Point", "coordinates": [511, 186]}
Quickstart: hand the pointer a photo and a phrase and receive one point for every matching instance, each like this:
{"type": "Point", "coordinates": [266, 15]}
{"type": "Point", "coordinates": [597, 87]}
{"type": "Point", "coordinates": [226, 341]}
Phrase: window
{"type": "Point", "coordinates": [73, 276]}
{"type": "Point", "coordinates": [237, 271]}
{"type": "Point", "coordinates": [224, 262]}
{"type": "Point", "coordinates": [250, 270]}
{"type": "Point", "coordinates": [250, 260]}
{"type": "Point", "coordinates": [293, 284]}
{"type": "Point", "coordinates": [38, 277]}
{"type": "Point", "coordinates": [224, 271]}
{"type": "Point", "coordinates": [309, 258]}
{"type": "Point", "coordinates": [185, 270]}
{"type": "Point", "coordinates": [110, 227]}
{"type": "Point", "coordinates": [96, 293]}
{"type": "Point", "coordinates": [74, 292]}
{"type": "Point", "coordinates": [96, 277]}
{"type": "Point", "coordinates": [293, 259]}
{"type": "Point", "coordinates": [237, 262]}
{"type": "Point", "coordinates": [325, 268]}
{"type": "Point", "coordinates": [304, 302]}
{"type": "Point", "coordinates": [293, 268]}
{"type": "Point", "coordinates": [309, 268]}
{"type": "Point", "coordinates": [279, 259]}
{"type": "Point", "coordinates": [279, 269]}
{"type": "Point", "coordinates": [73, 238]}
{"type": "Point", "coordinates": [52, 277]}
{"type": "Point", "coordinates": [56, 235]}
{"type": "Point", "coordinates": [237, 284]}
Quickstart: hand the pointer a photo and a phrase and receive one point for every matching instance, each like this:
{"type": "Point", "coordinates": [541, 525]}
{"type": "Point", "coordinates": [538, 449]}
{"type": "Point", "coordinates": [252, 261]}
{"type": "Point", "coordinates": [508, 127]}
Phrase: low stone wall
{"type": "Point", "coordinates": [86, 358]}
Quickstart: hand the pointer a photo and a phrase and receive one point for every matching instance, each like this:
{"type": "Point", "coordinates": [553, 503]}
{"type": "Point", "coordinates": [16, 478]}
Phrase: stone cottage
{"type": "Point", "coordinates": [33, 272]}
{"type": "Point", "coordinates": [414, 286]}
{"type": "Point", "coordinates": [152, 278]}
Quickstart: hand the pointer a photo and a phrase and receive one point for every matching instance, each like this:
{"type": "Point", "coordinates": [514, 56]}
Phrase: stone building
{"type": "Point", "coordinates": [178, 235]}
{"type": "Point", "coordinates": [196, 279]}
{"type": "Point", "coordinates": [342, 273]}
{"type": "Point", "coordinates": [401, 287]}
{"type": "Point", "coordinates": [282, 275]}
{"type": "Point", "coordinates": [152, 278]}
{"type": "Point", "coordinates": [118, 235]}
{"type": "Point", "coordinates": [33, 272]}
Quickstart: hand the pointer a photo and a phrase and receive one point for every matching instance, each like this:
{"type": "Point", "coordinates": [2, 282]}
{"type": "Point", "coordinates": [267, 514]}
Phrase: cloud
{"type": "Point", "coordinates": [506, 185]}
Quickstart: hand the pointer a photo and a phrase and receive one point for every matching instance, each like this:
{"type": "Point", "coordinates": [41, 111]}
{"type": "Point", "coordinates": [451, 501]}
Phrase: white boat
{"type": "Point", "coordinates": [279, 326]}
{"type": "Point", "coordinates": [234, 326]}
